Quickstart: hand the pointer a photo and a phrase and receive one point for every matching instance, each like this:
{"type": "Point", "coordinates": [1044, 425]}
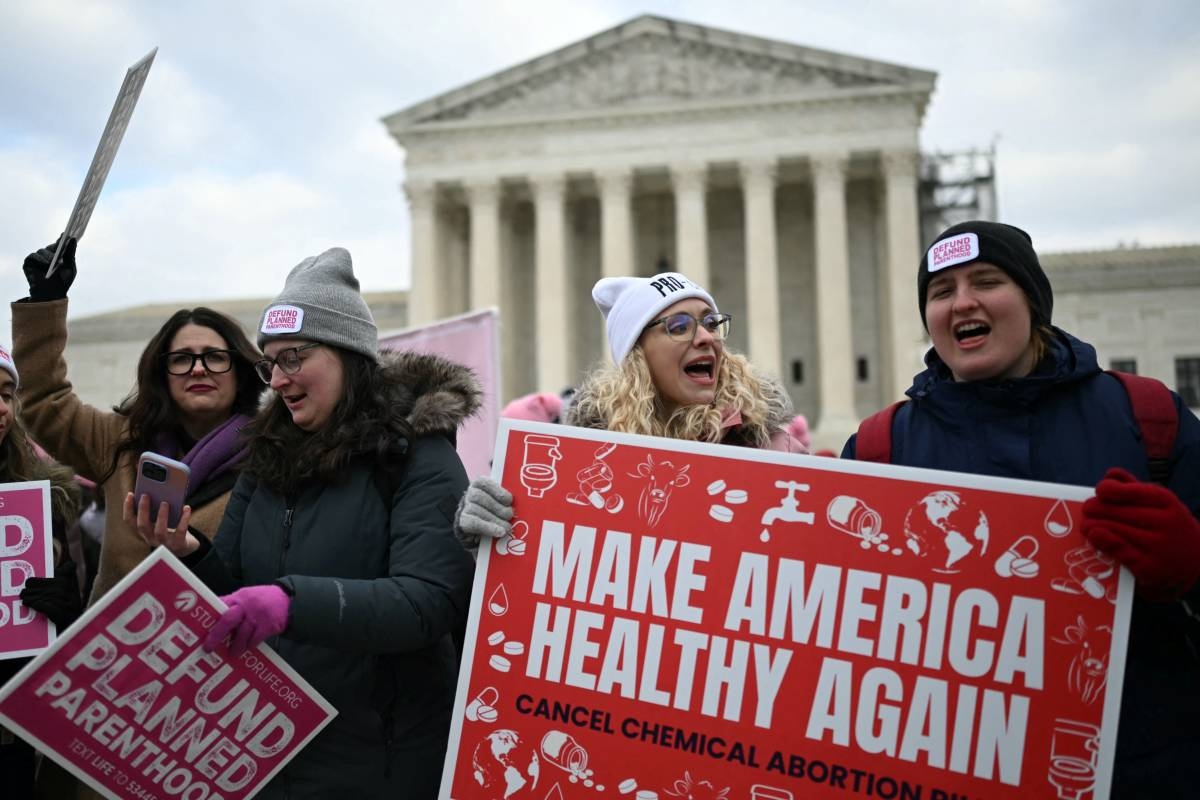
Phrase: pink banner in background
{"type": "Point", "coordinates": [473, 341]}
{"type": "Point", "coordinates": [26, 551]}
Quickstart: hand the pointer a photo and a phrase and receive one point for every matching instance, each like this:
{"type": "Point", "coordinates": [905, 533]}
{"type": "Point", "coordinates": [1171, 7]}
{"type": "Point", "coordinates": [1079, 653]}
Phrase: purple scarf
{"type": "Point", "coordinates": [219, 451]}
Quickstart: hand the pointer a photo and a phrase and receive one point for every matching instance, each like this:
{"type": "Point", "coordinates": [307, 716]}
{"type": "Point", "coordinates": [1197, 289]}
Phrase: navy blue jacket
{"type": "Point", "coordinates": [1068, 422]}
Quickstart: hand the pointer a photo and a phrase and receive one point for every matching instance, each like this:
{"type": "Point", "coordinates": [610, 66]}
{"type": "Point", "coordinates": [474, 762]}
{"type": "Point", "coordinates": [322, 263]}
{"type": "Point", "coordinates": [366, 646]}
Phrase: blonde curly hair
{"type": "Point", "coordinates": [624, 399]}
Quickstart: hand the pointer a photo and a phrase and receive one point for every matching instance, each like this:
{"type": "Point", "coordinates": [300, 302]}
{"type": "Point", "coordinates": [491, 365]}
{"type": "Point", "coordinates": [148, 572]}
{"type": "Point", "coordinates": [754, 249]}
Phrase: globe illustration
{"type": "Point", "coordinates": [945, 528]}
{"type": "Point", "coordinates": [504, 765]}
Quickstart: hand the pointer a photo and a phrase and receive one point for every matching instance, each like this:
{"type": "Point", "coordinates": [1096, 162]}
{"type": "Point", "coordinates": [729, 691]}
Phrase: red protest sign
{"type": "Point", "coordinates": [129, 702]}
{"type": "Point", "coordinates": [26, 551]}
{"type": "Point", "coordinates": [672, 620]}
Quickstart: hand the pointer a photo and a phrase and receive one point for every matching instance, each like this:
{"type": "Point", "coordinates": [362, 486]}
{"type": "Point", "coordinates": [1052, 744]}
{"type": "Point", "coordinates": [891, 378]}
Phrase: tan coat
{"type": "Point", "coordinates": [82, 436]}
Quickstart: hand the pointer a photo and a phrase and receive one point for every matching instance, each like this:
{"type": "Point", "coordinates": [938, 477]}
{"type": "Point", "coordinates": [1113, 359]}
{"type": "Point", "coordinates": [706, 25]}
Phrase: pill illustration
{"type": "Point", "coordinates": [720, 513]}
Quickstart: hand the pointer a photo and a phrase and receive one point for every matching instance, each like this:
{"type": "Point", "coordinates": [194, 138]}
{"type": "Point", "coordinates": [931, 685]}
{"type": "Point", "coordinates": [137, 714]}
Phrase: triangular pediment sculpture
{"type": "Point", "coordinates": [651, 63]}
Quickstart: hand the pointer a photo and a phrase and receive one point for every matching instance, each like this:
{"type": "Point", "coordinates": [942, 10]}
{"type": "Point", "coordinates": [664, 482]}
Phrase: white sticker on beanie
{"type": "Point", "coordinates": [669, 283]}
{"type": "Point", "coordinates": [955, 250]}
{"type": "Point", "coordinates": [282, 319]}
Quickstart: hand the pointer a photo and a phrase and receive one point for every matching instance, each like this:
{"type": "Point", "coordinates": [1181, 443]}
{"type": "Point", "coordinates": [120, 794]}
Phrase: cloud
{"type": "Point", "coordinates": [258, 142]}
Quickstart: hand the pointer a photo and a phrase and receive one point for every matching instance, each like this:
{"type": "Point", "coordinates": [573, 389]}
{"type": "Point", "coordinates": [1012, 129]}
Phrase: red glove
{"type": "Point", "coordinates": [1148, 529]}
{"type": "Point", "coordinates": [255, 614]}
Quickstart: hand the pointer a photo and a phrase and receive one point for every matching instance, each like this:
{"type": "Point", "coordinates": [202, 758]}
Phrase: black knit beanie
{"type": "Point", "coordinates": [1006, 246]}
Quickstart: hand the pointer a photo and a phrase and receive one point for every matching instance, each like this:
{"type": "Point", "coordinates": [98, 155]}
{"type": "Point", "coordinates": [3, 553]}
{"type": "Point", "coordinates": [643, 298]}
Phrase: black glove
{"type": "Point", "coordinates": [41, 288]}
{"type": "Point", "coordinates": [58, 597]}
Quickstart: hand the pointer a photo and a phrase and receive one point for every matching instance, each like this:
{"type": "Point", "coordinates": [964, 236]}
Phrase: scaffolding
{"type": "Point", "coordinates": [955, 187]}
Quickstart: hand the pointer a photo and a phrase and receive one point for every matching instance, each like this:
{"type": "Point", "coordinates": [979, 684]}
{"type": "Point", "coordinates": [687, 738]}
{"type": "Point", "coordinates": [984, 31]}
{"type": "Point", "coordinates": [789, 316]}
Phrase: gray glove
{"type": "Point", "coordinates": [485, 509]}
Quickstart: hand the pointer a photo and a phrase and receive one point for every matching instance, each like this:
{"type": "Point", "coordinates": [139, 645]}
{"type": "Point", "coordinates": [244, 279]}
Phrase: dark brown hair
{"type": "Point", "coordinates": [149, 407]}
{"type": "Point", "coordinates": [367, 422]}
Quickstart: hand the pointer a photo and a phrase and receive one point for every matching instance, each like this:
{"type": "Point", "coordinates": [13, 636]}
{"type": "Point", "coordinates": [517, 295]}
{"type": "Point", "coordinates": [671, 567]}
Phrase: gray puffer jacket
{"type": "Point", "coordinates": [378, 593]}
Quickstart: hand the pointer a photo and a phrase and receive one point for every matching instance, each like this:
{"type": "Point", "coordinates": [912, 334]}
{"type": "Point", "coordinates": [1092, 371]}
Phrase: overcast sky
{"type": "Point", "coordinates": [257, 140]}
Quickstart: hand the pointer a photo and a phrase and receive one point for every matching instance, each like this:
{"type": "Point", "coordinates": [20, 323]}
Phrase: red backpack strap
{"type": "Point", "coordinates": [1154, 410]}
{"type": "Point", "coordinates": [874, 442]}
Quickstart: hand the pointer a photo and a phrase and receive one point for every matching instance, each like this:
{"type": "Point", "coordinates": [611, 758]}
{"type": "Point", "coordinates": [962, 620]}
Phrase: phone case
{"type": "Point", "coordinates": [172, 488]}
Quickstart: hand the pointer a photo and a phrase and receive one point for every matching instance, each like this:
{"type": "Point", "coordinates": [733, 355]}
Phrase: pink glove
{"type": "Point", "coordinates": [255, 614]}
{"type": "Point", "coordinates": [1148, 529]}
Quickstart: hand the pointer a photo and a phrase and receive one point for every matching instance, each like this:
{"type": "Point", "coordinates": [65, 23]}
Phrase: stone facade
{"type": "Point", "coordinates": [781, 177]}
{"type": "Point", "coordinates": [1140, 307]}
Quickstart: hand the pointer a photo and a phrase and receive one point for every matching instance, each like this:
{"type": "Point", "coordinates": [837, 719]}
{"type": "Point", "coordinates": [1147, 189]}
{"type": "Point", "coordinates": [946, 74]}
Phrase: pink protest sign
{"type": "Point", "coordinates": [677, 621]}
{"type": "Point", "coordinates": [129, 702]}
{"type": "Point", "coordinates": [26, 551]}
{"type": "Point", "coordinates": [470, 340]}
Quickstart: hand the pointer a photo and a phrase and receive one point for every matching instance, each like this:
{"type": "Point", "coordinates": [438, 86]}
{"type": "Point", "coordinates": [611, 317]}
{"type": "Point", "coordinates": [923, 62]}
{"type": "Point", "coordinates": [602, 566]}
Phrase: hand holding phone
{"type": "Point", "coordinates": [162, 479]}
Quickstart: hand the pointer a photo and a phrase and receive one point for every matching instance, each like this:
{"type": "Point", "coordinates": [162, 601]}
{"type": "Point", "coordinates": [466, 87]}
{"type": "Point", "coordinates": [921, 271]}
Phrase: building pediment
{"type": "Point", "coordinates": [652, 63]}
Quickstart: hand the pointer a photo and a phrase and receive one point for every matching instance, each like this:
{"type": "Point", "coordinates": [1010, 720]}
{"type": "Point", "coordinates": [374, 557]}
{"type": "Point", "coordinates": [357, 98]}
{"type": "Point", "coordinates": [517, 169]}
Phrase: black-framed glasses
{"type": "Point", "coordinates": [682, 326]}
{"type": "Point", "coordinates": [181, 362]}
{"type": "Point", "coordinates": [288, 360]}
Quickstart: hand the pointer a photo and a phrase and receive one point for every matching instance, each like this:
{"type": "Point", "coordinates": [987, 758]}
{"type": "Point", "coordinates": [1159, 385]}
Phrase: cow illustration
{"type": "Point", "coordinates": [690, 789]}
{"type": "Point", "coordinates": [1088, 674]}
{"type": "Point", "coordinates": [661, 479]}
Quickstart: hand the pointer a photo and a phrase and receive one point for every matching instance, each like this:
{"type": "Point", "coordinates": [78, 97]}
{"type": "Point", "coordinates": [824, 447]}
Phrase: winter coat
{"type": "Point", "coordinates": [377, 593]}
{"type": "Point", "coordinates": [1068, 422]}
{"type": "Point", "coordinates": [85, 437]}
{"type": "Point", "coordinates": [735, 430]}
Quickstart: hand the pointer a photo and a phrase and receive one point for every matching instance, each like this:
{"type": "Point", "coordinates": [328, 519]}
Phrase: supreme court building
{"type": "Point", "coordinates": [780, 177]}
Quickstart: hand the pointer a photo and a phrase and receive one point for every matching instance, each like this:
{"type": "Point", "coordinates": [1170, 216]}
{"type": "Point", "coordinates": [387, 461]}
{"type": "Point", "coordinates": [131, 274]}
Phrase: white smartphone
{"type": "Point", "coordinates": [162, 479]}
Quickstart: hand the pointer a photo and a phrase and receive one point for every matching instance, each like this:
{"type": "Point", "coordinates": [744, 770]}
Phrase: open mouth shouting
{"type": "Point", "coordinates": [971, 333]}
{"type": "Point", "coordinates": [702, 370]}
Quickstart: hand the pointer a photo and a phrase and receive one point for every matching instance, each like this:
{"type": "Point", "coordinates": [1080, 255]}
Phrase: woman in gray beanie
{"type": "Point", "coordinates": [338, 546]}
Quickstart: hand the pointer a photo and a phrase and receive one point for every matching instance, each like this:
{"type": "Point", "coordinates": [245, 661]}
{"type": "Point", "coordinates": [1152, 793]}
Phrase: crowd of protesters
{"type": "Point", "coordinates": [355, 449]}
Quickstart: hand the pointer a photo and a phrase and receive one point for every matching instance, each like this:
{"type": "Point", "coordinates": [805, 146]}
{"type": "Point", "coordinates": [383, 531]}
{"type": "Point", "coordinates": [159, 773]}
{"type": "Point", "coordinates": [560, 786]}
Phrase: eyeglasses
{"type": "Point", "coordinates": [288, 360]}
{"type": "Point", "coordinates": [682, 327]}
{"type": "Point", "coordinates": [181, 362]}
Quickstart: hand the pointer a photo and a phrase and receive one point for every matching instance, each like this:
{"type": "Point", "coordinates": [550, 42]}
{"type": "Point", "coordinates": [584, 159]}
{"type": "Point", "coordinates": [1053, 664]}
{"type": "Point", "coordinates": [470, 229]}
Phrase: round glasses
{"type": "Point", "coordinates": [288, 360]}
{"type": "Point", "coordinates": [682, 326]}
{"type": "Point", "coordinates": [181, 362]}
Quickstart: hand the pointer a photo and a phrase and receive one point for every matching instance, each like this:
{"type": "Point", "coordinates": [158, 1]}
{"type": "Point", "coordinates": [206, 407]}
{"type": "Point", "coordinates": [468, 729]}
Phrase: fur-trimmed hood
{"type": "Point", "coordinates": [411, 394]}
{"type": "Point", "coordinates": [435, 395]}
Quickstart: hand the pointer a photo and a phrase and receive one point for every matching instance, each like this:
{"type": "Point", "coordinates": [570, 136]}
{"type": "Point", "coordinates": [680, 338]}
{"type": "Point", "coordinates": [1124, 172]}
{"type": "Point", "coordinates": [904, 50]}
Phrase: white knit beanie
{"type": "Point", "coordinates": [10, 366]}
{"type": "Point", "coordinates": [629, 304]}
{"type": "Point", "coordinates": [320, 302]}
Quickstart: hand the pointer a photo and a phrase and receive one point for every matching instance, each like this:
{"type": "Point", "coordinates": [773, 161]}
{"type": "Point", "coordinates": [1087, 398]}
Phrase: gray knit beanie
{"type": "Point", "coordinates": [320, 302]}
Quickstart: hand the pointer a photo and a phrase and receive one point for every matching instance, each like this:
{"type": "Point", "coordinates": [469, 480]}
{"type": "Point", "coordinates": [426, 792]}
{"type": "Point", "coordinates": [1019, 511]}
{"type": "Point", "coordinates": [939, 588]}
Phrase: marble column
{"type": "Point", "coordinates": [555, 339]}
{"type": "Point", "coordinates": [835, 339]}
{"type": "Point", "coordinates": [483, 199]}
{"type": "Point", "coordinates": [616, 226]}
{"type": "Point", "coordinates": [425, 290]}
{"type": "Point", "coordinates": [762, 265]}
{"type": "Point", "coordinates": [691, 220]}
{"type": "Point", "coordinates": [904, 340]}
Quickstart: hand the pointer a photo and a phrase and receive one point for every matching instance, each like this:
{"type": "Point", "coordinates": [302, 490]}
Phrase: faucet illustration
{"type": "Point", "coordinates": [789, 508]}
